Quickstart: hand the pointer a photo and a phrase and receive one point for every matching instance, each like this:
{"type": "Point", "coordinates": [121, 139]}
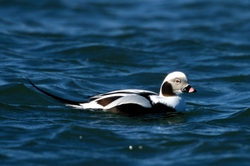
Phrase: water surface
{"type": "Point", "coordinates": [78, 49]}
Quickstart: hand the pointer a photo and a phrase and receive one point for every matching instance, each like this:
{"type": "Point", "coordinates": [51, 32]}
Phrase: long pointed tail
{"type": "Point", "coordinates": [60, 99]}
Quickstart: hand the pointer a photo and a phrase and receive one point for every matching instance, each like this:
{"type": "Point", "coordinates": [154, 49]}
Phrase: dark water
{"type": "Point", "coordinates": [81, 48]}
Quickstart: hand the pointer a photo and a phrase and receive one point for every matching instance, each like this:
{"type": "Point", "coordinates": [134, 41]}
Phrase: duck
{"type": "Point", "coordinates": [136, 102]}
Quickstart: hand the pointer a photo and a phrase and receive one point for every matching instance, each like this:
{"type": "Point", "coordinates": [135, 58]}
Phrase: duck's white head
{"type": "Point", "coordinates": [175, 83]}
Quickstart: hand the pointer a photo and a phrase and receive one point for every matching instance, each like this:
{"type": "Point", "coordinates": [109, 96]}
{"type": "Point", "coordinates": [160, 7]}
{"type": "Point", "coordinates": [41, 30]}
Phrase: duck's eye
{"type": "Point", "coordinates": [177, 81]}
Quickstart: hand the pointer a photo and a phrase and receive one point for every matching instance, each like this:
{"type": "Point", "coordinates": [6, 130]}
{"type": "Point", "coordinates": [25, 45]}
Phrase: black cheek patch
{"type": "Point", "coordinates": [167, 89]}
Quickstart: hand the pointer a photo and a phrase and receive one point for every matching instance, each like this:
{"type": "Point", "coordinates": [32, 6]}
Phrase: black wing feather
{"type": "Point", "coordinates": [60, 99]}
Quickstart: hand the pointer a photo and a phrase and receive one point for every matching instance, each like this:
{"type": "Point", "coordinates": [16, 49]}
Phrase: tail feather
{"type": "Point", "coordinates": [60, 99]}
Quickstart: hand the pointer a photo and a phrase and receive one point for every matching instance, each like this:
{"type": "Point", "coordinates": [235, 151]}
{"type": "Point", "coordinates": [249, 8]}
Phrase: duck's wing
{"type": "Point", "coordinates": [134, 99]}
{"type": "Point", "coordinates": [125, 92]}
{"type": "Point", "coordinates": [120, 97]}
{"type": "Point", "coordinates": [122, 103]}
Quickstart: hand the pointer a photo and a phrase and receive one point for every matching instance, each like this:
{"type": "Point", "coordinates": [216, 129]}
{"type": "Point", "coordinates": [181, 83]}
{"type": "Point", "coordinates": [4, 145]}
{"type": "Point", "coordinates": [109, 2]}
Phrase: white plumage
{"type": "Point", "coordinates": [134, 102]}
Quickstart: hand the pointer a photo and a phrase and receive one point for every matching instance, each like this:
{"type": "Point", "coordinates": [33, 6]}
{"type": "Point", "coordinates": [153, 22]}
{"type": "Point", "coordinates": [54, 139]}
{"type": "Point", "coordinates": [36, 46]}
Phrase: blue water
{"type": "Point", "coordinates": [77, 49]}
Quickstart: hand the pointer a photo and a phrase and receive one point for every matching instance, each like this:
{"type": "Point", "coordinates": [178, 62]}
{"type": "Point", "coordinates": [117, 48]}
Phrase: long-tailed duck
{"type": "Point", "coordinates": [133, 102]}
